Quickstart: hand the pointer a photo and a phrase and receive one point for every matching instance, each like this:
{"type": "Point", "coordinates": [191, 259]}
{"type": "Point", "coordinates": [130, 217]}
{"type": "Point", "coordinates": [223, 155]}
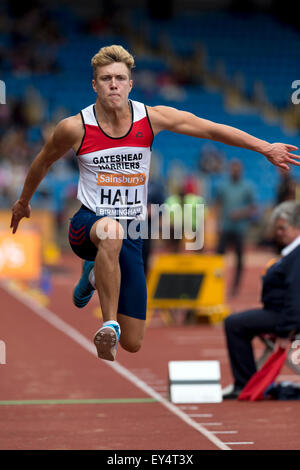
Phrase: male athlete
{"type": "Point", "coordinates": [113, 140]}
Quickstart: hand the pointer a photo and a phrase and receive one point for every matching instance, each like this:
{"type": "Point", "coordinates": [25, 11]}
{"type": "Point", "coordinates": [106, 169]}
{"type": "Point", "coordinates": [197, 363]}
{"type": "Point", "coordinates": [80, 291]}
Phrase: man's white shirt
{"type": "Point", "coordinates": [289, 248]}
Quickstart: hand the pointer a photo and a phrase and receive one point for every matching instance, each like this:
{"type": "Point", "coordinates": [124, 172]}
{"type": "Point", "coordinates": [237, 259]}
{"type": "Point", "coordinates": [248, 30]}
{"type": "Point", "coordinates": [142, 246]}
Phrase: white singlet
{"type": "Point", "coordinates": [114, 171]}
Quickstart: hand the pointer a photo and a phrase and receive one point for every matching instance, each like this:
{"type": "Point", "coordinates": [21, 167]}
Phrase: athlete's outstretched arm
{"type": "Point", "coordinates": [182, 122]}
{"type": "Point", "coordinates": [61, 140]}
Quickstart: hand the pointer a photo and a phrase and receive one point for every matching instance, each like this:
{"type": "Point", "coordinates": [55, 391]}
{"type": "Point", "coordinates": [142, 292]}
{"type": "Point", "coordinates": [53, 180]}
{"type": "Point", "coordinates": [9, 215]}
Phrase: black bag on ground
{"type": "Point", "coordinates": [283, 391]}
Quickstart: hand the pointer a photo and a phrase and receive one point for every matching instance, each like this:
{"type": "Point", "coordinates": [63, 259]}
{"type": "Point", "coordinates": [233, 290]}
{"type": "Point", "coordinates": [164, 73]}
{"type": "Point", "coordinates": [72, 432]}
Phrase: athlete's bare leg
{"type": "Point", "coordinates": [133, 331]}
{"type": "Point", "coordinates": [107, 267]}
{"type": "Point", "coordinates": [107, 283]}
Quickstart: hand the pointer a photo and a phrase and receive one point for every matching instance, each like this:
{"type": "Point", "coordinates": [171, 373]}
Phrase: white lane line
{"type": "Point", "coordinates": [143, 371]}
{"type": "Point", "coordinates": [211, 424]}
{"type": "Point", "coordinates": [200, 415]}
{"type": "Point", "coordinates": [239, 443]}
{"type": "Point", "coordinates": [86, 344]}
{"type": "Point", "coordinates": [188, 407]}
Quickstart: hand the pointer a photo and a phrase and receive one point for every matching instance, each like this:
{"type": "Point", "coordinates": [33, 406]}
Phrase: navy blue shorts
{"type": "Point", "coordinates": [133, 290]}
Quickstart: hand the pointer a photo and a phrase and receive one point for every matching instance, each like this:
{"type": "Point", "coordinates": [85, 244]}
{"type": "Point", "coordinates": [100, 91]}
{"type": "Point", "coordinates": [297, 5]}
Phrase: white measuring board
{"type": "Point", "coordinates": [195, 382]}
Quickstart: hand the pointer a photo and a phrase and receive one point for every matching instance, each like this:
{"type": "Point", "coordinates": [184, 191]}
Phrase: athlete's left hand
{"type": "Point", "coordinates": [19, 211]}
{"type": "Point", "coordinates": [279, 154]}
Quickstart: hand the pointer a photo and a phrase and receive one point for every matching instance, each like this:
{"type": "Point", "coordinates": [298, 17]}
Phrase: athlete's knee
{"type": "Point", "coordinates": [109, 229]}
{"type": "Point", "coordinates": [131, 346]}
{"type": "Point", "coordinates": [110, 248]}
{"type": "Point", "coordinates": [233, 325]}
{"type": "Point", "coordinates": [108, 234]}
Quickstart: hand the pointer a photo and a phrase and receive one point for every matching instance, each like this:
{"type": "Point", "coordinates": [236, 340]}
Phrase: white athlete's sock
{"type": "Point", "coordinates": [111, 322]}
{"type": "Point", "coordinates": [92, 278]}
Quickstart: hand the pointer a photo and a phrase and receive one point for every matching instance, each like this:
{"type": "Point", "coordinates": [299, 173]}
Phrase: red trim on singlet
{"type": "Point", "coordinates": [141, 135]}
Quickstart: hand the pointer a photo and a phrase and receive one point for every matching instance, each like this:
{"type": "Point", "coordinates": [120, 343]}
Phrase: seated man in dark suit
{"type": "Point", "coordinates": [280, 314]}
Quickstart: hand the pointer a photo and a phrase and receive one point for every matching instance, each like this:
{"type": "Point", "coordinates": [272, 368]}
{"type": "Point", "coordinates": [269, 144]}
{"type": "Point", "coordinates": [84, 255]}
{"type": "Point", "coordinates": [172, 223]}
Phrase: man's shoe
{"type": "Point", "coordinates": [84, 289]}
{"type": "Point", "coordinates": [106, 340]}
{"type": "Point", "coordinates": [233, 395]}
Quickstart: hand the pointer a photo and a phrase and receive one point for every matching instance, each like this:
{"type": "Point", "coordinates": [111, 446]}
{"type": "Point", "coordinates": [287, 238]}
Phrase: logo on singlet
{"type": "Point", "coordinates": [120, 179]}
{"type": "Point", "coordinates": [139, 134]}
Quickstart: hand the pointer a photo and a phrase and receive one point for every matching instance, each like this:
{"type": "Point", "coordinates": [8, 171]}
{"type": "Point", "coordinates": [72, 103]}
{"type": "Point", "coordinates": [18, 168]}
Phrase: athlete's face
{"type": "Point", "coordinates": [113, 85]}
{"type": "Point", "coordinates": [285, 233]}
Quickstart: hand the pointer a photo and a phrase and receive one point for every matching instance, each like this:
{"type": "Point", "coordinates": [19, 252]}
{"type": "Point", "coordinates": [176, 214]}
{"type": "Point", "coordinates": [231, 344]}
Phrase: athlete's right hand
{"type": "Point", "coordinates": [19, 210]}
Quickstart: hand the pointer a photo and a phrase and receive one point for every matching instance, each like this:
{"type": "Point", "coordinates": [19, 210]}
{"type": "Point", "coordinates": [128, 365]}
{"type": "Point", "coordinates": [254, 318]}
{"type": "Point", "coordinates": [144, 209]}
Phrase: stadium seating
{"type": "Point", "coordinates": [255, 45]}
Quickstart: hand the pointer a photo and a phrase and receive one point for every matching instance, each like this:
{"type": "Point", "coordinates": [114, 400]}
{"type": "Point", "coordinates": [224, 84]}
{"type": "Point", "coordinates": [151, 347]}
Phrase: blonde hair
{"type": "Point", "coordinates": [109, 54]}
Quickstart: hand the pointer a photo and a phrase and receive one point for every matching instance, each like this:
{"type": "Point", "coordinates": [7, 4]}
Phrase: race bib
{"type": "Point", "coordinates": [121, 195]}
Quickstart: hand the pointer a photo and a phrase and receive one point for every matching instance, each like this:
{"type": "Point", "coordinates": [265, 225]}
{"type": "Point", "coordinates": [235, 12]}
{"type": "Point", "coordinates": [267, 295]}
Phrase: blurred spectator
{"type": "Point", "coordinates": [34, 35]}
{"type": "Point", "coordinates": [286, 189]}
{"type": "Point", "coordinates": [14, 157]}
{"type": "Point", "coordinates": [14, 147]}
{"type": "Point", "coordinates": [199, 63]}
{"type": "Point", "coordinates": [220, 74]}
{"type": "Point", "coordinates": [186, 194]}
{"type": "Point", "coordinates": [280, 297]}
{"type": "Point", "coordinates": [18, 116]}
{"type": "Point", "coordinates": [169, 88]}
{"type": "Point", "coordinates": [211, 160]}
{"type": "Point", "coordinates": [291, 117]}
{"type": "Point", "coordinates": [234, 93]}
{"type": "Point", "coordinates": [34, 106]}
{"type": "Point", "coordinates": [146, 81]}
{"type": "Point", "coordinates": [156, 195]}
{"type": "Point", "coordinates": [236, 205]}
{"type": "Point", "coordinates": [259, 96]}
